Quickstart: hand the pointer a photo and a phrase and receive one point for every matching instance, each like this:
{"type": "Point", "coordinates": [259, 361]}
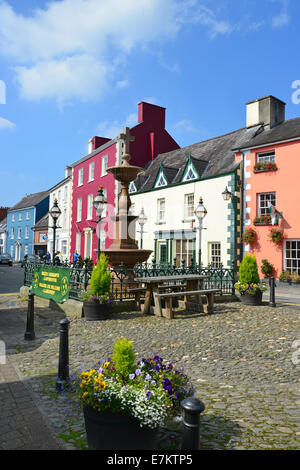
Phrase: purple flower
{"type": "Point", "coordinates": [138, 371]}
{"type": "Point", "coordinates": [153, 382]}
{"type": "Point", "coordinates": [131, 376]}
{"type": "Point", "coordinates": [148, 377]}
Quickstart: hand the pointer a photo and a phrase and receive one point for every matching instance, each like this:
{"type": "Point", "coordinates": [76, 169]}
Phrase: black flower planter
{"type": "Point", "coordinates": [94, 311]}
{"type": "Point", "coordinates": [249, 299]}
{"type": "Point", "coordinates": [106, 430]}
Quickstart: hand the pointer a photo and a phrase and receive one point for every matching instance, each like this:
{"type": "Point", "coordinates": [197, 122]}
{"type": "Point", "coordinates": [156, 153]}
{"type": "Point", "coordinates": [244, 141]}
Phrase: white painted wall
{"type": "Point", "coordinates": [215, 222]}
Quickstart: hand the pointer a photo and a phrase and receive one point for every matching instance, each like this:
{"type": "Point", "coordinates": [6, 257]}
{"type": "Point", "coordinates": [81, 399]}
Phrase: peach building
{"type": "Point", "coordinates": [270, 168]}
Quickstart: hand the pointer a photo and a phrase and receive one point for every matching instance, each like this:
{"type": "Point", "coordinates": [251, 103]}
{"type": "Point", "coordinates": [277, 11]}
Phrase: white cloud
{"type": "Point", "coordinates": [283, 18]}
{"type": "Point", "coordinates": [5, 124]}
{"type": "Point", "coordinates": [69, 48]}
{"type": "Point", "coordinates": [185, 126]}
{"type": "Point", "coordinates": [112, 129]}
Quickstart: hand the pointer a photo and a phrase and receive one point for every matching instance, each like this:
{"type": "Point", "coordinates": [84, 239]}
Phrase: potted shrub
{"type": "Point", "coordinates": [276, 236]}
{"type": "Point", "coordinates": [96, 300]}
{"type": "Point", "coordinates": [125, 402]}
{"type": "Point", "coordinates": [266, 268]}
{"type": "Point", "coordinates": [249, 236]}
{"type": "Point", "coordinates": [249, 285]}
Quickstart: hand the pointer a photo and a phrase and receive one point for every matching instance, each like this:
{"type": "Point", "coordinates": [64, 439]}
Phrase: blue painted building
{"type": "Point", "coordinates": [20, 220]}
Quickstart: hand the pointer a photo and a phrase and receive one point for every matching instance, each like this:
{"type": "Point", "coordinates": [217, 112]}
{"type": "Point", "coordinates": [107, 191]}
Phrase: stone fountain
{"type": "Point", "coordinates": [124, 248]}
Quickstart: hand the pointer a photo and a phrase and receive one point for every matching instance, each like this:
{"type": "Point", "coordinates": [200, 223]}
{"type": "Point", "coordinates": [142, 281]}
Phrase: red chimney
{"type": "Point", "coordinates": [151, 114]}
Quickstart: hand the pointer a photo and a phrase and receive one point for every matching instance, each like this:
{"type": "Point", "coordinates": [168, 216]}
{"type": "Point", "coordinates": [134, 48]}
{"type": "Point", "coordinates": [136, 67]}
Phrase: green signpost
{"type": "Point", "coordinates": [51, 283]}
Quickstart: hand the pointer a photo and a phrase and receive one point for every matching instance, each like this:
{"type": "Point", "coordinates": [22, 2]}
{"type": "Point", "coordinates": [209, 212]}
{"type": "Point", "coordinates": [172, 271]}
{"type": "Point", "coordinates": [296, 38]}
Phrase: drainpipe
{"type": "Point", "coordinates": [243, 202]}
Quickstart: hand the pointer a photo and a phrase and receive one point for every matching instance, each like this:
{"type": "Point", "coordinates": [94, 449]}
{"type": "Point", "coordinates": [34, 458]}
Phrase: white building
{"type": "Point", "coordinates": [169, 191]}
{"type": "Point", "coordinates": [3, 235]}
{"type": "Point", "coordinates": [62, 192]}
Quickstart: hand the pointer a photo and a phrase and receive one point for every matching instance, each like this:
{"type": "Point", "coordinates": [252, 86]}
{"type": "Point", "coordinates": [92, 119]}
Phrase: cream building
{"type": "Point", "coordinates": [169, 191]}
{"type": "Point", "coordinates": [61, 192]}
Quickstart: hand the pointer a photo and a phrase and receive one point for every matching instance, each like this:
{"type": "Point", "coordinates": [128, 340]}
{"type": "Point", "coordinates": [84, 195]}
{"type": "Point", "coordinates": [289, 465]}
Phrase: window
{"type": "Point", "coordinates": [214, 254]}
{"type": "Point", "coordinates": [42, 237]}
{"type": "Point", "coordinates": [263, 203]}
{"type": "Point", "coordinates": [26, 231]}
{"type": "Point", "coordinates": [104, 165]}
{"type": "Point", "coordinates": [19, 232]}
{"type": "Point", "coordinates": [12, 251]}
{"type": "Point", "coordinates": [292, 256]}
{"type": "Point", "coordinates": [26, 250]}
{"type": "Point", "coordinates": [20, 215]}
{"type": "Point", "coordinates": [188, 206]}
{"type": "Point", "coordinates": [78, 242]}
{"type": "Point", "coordinates": [266, 157]}
{"type": "Point", "coordinates": [163, 255]}
{"type": "Point", "coordinates": [27, 215]}
{"type": "Point", "coordinates": [64, 244]}
{"type": "Point", "coordinates": [132, 187]}
{"type": "Point", "coordinates": [190, 174]}
{"type": "Point", "coordinates": [79, 209]}
{"type": "Point", "coordinates": [161, 180]}
{"type": "Point", "coordinates": [161, 210]}
{"type": "Point", "coordinates": [90, 206]}
{"type": "Point", "coordinates": [183, 251]}
{"type": "Point", "coordinates": [91, 171]}
{"type": "Point", "coordinates": [12, 233]}
{"type": "Point", "coordinates": [13, 217]}
{"type": "Point", "coordinates": [88, 244]}
{"type": "Point", "coordinates": [80, 176]}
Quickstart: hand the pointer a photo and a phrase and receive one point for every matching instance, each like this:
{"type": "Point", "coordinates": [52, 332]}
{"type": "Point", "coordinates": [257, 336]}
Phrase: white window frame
{"type": "Point", "coordinates": [267, 157]}
{"type": "Point", "coordinates": [19, 233]}
{"type": "Point", "coordinates": [78, 242]}
{"type": "Point", "coordinates": [26, 249]}
{"type": "Point", "coordinates": [26, 231]}
{"type": "Point", "coordinates": [132, 187]}
{"type": "Point", "coordinates": [12, 217]}
{"type": "Point", "coordinates": [12, 233]}
{"type": "Point", "coordinates": [214, 254]}
{"type": "Point", "coordinates": [79, 209]}
{"type": "Point", "coordinates": [189, 206]}
{"type": "Point", "coordinates": [12, 251]}
{"type": "Point", "coordinates": [91, 171]}
{"type": "Point", "coordinates": [27, 215]}
{"type": "Point", "coordinates": [295, 249]}
{"type": "Point", "coordinates": [263, 210]}
{"type": "Point", "coordinates": [104, 165]}
{"type": "Point", "coordinates": [189, 252]}
{"type": "Point", "coordinates": [161, 180]}
{"type": "Point", "coordinates": [64, 247]}
{"type": "Point", "coordinates": [161, 213]}
{"type": "Point", "coordinates": [187, 177]}
{"type": "Point", "coordinates": [80, 177]}
{"type": "Point", "coordinates": [90, 207]}
{"type": "Point", "coordinates": [88, 243]}
{"type": "Point", "coordinates": [20, 216]}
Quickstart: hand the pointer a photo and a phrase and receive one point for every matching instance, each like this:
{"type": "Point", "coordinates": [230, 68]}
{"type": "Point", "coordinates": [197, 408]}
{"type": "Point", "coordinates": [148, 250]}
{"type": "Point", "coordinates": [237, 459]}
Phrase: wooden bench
{"type": "Point", "coordinates": [139, 292]}
{"type": "Point", "coordinates": [168, 296]}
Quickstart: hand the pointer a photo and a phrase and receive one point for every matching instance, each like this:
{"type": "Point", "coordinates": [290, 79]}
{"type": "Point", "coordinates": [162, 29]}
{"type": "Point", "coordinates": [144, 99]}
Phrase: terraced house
{"type": "Point", "coordinates": [20, 220]}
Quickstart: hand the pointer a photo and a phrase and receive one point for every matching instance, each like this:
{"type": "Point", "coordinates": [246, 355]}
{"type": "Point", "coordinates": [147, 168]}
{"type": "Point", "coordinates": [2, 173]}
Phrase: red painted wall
{"type": "Point", "coordinates": [151, 138]}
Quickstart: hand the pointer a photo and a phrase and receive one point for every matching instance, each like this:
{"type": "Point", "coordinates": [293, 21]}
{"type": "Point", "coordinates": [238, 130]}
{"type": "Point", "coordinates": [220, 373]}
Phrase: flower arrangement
{"type": "Point", "coordinates": [285, 276]}
{"type": "Point", "coordinates": [262, 219]}
{"type": "Point", "coordinates": [249, 236]}
{"type": "Point", "coordinates": [271, 166]}
{"type": "Point", "coordinates": [249, 282]}
{"type": "Point", "coordinates": [276, 236]}
{"type": "Point", "coordinates": [148, 390]}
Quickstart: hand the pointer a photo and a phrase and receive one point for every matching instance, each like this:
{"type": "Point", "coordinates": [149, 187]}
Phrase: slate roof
{"type": "Point", "coordinates": [42, 223]}
{"type": "Point", "coordinates": [286, 130]}
{"type": "Point", "coordinates": [211, 157]}
{"type": "Point", "coordinates": [30, 200]}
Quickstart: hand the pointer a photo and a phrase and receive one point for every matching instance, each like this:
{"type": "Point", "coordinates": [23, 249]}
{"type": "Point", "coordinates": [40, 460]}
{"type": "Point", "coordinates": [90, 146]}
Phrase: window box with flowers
{"type": "Point", "coordinates": [276, 236]}
{"type": "Point", "coordinates": [263, 220]}
{"type": "Point", "coordinates": [249, 236]}
{"type": "Point", "coordinates": [264, 166]}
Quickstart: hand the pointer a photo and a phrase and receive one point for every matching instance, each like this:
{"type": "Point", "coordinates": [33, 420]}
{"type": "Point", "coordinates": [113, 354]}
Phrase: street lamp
{"type": "Point", "coordinates": [200, 212]}
{"type": "Point", "coordinates": [99, 204]}
{"type": "Point", "coordinates": [226, 194]}
{"type": "Point", "coordinates": [142, 219]}
{"type": "Point", "coordinates": [55, 213]}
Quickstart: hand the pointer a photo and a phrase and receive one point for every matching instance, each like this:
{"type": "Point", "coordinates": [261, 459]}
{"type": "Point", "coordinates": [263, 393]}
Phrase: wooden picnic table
{"type": "Point", "coordinates": [153, 283]}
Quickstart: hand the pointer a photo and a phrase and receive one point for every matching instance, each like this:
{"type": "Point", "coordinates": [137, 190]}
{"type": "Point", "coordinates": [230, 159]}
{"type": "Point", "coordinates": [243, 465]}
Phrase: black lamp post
{"type": "Point", "coordinates": [55, 213]}
{"type": "Point", "coordinates": [142, 219]}
{"type": "Point", "coordinates": [200, 212]}
{"type": "Point", "coordinates": [99, 204]}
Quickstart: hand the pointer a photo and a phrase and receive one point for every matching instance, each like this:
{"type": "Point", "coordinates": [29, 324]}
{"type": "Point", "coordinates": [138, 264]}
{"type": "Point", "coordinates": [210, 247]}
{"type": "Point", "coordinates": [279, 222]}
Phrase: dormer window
{"type": "Point", "coordinates": [132, 187]}
{"type": "Point", "coordinates": [161, 180]}
{"type": "Point", "coordinates": [190, 172]}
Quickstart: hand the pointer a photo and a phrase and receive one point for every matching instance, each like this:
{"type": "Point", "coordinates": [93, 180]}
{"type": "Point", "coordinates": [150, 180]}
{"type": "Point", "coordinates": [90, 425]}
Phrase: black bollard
{"type": "Point", "coordinates": [272, 292]}
{"type": "Point", "coordinates": [29, 333]}
{"type": "Point", "coordinates": [63, 365]}
{"type": "Point", "coordinates": [191, 423]}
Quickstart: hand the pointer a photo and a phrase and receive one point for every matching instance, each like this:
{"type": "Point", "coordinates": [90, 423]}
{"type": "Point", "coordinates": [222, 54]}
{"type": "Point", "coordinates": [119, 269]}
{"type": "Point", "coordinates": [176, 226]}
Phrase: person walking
{"type": "Point", "coordinates": [75, 256]}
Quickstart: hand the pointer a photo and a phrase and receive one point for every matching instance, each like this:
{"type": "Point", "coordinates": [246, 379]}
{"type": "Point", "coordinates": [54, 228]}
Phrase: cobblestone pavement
{"type": "Point", "coordinates": [243, 362]}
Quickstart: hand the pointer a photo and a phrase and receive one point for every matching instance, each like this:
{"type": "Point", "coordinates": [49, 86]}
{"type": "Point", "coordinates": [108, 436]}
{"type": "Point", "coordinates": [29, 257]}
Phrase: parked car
{"type": "Point", "coordinates": [30, 259]}
{"type": "Point", "coordinates": [6, 259]}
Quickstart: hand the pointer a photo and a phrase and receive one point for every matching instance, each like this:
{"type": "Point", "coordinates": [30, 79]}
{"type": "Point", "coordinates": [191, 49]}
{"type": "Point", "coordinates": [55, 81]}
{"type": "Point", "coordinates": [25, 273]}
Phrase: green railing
{"type": "Point", "coordinates": [123, 279]}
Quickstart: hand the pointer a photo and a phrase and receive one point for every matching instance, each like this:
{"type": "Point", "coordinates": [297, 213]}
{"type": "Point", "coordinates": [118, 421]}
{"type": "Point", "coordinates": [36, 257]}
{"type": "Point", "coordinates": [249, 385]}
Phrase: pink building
{"type": "Point", "coordinates": [270, 181]}
{"type": "Point", "coordinates": [88, 173]}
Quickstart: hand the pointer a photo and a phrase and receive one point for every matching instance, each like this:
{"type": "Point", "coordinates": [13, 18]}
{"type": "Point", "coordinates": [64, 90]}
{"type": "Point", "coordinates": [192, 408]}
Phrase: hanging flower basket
{"type": "Point", "coordinates": [249, 236]}
{"type": "Point", "coordinates": [276, 236]}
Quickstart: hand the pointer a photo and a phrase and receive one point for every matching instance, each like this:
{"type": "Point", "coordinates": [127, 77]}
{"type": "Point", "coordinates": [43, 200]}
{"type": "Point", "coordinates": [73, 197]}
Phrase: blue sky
{"type": "Point", "coordinates": [73, 69]}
